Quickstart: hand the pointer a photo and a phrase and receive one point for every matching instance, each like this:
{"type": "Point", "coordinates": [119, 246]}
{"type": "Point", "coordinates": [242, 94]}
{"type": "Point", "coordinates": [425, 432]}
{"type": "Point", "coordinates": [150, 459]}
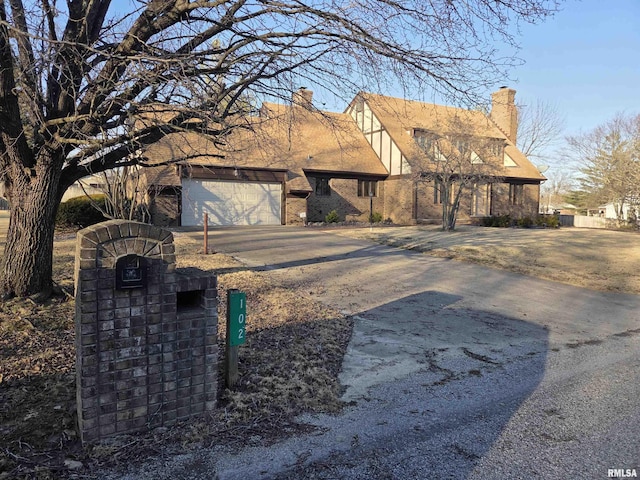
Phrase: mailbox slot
{"type": "Point", "coordinates": [189, 301]}
{"type": "Point", "coordinates": [131, 272]}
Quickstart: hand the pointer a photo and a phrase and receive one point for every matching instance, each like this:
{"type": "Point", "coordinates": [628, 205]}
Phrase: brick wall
{"type": "Point", "coordinates": [427, 210]}
{"type": "Point", "coordinates": [164, 208]}
{"type": "Point", "coordinates": [503, 206]}
{"type": "Point", "coordinates": [145, 356]}
{"type": "Point", "coordinates": [294, 206]}
{"type": "Point", "coordinates": [399, 200]}
{"type": "Point", "coordinates": [345, 200]}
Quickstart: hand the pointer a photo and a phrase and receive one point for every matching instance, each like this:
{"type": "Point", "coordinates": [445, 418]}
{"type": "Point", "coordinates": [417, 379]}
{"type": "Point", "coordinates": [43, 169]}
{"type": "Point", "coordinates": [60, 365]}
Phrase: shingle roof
{"type": "Point", "coordinates": [296, 140]}
{"type": "Point", "coordinates": [283, 138]}
{"type": "Point", "coordinates": [401, 117]}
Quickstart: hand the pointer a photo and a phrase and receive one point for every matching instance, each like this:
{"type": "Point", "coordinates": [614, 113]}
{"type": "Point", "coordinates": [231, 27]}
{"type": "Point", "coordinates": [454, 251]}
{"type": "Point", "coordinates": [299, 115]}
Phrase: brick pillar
{"type": "Point", "coordinates": [145, 356]}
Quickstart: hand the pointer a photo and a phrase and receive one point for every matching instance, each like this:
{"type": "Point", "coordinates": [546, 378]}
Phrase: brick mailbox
{"type": "Point", "coordinates": [146, 332]}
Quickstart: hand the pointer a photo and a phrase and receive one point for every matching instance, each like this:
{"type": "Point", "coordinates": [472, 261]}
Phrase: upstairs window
{"type": "Point", "coordinates": [367, 188]}
{"type": "Point", "coordinates": [461, 144]}
{"type": "Point", "coordinates": [322, 187]}
{"type": "Point", "coordinates": [496, 147]}
{"type": "Point", "coordinates": [425, 140]}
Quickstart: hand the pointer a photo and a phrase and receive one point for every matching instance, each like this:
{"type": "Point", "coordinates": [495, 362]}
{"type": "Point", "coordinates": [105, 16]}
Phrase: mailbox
{"type": "Point", "coordinates": [131, 272]}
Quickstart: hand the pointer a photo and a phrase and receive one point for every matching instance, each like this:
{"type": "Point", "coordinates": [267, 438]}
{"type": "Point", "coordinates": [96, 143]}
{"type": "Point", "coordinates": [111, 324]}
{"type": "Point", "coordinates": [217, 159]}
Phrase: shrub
{"type": "Point", "coordinates": [524, 222]}
{"type": "Point", "coordinates": [332, 217]}
{"type": "Point", "coordinates": [548, 221]}
{"type": "Point", "coordinates": [500, 221]}
{"type": "Point", "coordinates": [80, 212]}
{"type": "Point", "coordinates": [376, 217]}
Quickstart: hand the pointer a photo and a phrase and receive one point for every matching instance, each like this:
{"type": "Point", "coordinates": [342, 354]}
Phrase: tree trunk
{"type": "Point", "coordinates": [27, 263]}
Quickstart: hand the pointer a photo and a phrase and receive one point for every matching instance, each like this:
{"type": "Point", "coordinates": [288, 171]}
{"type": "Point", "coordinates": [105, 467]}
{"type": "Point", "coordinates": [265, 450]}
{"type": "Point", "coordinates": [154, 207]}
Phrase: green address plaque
{"type": "Point", "coordinates": [237, 317]}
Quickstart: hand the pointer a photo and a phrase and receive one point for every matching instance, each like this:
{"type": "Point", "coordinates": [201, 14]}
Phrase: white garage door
{"type": "Point", "coordinates": [230, 203]}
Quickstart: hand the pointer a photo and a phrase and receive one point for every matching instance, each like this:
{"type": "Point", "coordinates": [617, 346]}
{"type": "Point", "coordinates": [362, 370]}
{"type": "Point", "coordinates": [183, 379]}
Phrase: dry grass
{"type": "Point", "coordinates": [598, 259]}
{"type": "Point", "coordinates": [288, 365]}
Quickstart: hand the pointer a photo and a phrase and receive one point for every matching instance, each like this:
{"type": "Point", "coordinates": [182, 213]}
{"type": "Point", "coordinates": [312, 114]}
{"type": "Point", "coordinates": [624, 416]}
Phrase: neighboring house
{"type": "Point", "coordinates": [91, 185]}
{"type": "Point", "coordinates": [558, 208]}
{"type": "Point", "coordinates": [294, 162]}
{"type": "Point", "coordinates": [610, 210]}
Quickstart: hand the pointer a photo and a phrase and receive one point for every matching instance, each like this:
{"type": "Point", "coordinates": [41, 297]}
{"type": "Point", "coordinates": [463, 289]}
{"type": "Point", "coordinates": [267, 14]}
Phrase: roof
{"type": "Point", "coordinates": [285, 138]}
{"type": "Point", "coordinates": [400, 117]}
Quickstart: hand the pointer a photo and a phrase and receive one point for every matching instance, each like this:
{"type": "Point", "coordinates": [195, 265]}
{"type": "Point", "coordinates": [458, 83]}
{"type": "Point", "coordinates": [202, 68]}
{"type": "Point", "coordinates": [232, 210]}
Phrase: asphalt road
{"type": "Point", "coordinates": [454, 370]}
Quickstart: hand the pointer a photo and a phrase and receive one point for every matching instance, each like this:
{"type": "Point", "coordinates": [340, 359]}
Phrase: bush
{"type": "Point", "coordinates": [524, 222]}
{"type": "Point", "coordinates": [503, 221]}
{"type": "Point", "coordinates": [376, 217]}
{"type": "Point", "coordinates": [80, 212]}
{"type": "Point", "coordinates": [332, 217]}
{"type": "Point", "coordinates": [548, 221]}
{"type": "Point", "coordinates": [500, 221]}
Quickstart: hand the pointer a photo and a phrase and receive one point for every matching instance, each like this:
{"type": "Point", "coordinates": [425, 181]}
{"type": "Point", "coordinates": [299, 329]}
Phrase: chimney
{"type": "Point", "coordinates": [303, 98]}
{"type": "Point", "coordinates": [504, 112]}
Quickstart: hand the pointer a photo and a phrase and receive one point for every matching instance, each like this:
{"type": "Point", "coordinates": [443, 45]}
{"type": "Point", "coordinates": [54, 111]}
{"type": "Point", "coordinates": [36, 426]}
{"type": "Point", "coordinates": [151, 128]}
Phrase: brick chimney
{"type": "Point", "coordinates": [303, 97]}
{"type": "Point", "coordinates": [504, 112]}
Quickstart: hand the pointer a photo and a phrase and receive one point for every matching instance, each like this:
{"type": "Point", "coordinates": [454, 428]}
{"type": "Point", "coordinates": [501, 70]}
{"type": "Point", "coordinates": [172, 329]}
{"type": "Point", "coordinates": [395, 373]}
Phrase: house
{"type": "Point", "coordinates": [629, 210]}
{"type": "Point", "coordinates": [294, 162]}
{"type": "Point", "coordinates": [91, 185]}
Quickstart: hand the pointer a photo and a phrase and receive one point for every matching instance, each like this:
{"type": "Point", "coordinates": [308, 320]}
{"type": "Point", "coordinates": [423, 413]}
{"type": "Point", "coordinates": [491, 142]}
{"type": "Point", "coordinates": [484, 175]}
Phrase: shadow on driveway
{"type": "Point", "coordinates": [433, 389]}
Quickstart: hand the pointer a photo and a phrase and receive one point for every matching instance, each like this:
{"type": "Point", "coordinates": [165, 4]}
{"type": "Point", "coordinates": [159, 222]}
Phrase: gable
{"type": "Point", "coordinates": [377, 136]}
{"type": "Point", "coordinates": [400, 119]}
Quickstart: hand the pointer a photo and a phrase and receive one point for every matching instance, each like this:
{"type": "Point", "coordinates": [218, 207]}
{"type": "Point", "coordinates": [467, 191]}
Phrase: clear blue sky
{"type": "Point", "coordinates": [585, 60]}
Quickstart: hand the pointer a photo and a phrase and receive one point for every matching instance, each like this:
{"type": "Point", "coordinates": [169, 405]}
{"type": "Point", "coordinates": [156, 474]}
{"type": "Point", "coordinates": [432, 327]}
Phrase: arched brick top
{"type": "Point", "coordinates": [100, 245]}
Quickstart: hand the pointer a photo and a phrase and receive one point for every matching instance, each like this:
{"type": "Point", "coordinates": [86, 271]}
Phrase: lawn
{"type": "Point", "coordinates": [604, 260]}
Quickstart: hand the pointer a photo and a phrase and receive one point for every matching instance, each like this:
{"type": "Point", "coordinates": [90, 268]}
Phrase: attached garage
{"type": "Point", "coordinates": [230, 202]}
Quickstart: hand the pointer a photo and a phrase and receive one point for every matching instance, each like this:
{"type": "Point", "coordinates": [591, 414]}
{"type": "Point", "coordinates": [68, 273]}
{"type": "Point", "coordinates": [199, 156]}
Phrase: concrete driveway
{"type": "Point", "coordinates": [454, 370]}
{"type": "Point", "coordinates": [408, 305]}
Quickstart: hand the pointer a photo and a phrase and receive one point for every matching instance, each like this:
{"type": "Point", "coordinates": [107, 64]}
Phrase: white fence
{"type": "Point", "coordinates": [583, 221]}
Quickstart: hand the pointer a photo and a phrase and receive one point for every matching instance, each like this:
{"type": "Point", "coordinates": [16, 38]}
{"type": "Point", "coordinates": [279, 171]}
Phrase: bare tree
{"type": "Point", "coordinates": [540, 128]}
{"type": "Point", "coordinates": [553, 192]}
{"type": "Point", "coordinates": [74, 74]}
{"type": "Point", "coordinates": [121, 190]}
{"type": "Point", "coordinates": [456, 160]}
{"type": "Point", "coordinates": [610, 158]}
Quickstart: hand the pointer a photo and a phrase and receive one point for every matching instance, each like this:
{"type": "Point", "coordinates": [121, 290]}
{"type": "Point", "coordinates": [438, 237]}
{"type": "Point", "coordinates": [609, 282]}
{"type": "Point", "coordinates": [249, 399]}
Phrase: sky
{"type": "Point", "coordinates": [585, 60]}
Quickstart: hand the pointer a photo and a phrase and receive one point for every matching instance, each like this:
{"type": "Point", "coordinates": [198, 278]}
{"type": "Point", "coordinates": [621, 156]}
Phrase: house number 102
{"type": "Point", "coordinates": [237, 317]}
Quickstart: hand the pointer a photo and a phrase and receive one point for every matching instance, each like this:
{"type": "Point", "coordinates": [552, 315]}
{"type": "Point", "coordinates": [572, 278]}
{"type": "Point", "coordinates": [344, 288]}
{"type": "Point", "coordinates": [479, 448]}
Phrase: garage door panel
{"type": "Point", "coordinates": [231, 203]}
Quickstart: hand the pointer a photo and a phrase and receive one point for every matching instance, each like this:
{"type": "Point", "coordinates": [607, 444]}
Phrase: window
{"type": "Point", "coordinates": [461, 144]}
{"type": "Point", "coordinates": [516, 194]}
{"type": "Point", "coordinates": [365, 187]}
{"type": "Point", "coordinates": [475, 159]}
{"type": "Point", "coordinates": [425, 140]}
{"type": "Point", "coordinates": [481, 200]}
{"type": "Point", "coordinates": [437, 192]}
{"type": "Point", "coordinates": [322, 187]}
{"type": "Point", "coordinates": [496, 147]}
